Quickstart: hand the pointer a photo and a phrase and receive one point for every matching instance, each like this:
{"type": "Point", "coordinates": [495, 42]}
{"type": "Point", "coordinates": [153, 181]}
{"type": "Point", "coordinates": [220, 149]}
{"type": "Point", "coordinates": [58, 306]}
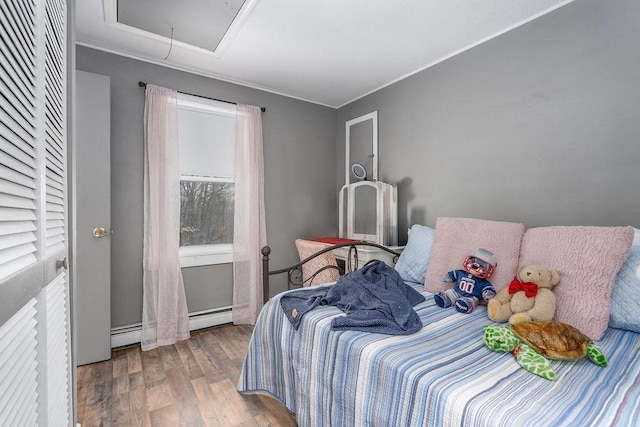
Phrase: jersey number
{"type": "Point", "coordinates": [466, 285]}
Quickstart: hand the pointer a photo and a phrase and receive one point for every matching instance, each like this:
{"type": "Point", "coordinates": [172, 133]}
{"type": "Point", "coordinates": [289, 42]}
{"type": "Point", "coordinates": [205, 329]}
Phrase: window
{"type": "Point", "coordinates": [206, 140]}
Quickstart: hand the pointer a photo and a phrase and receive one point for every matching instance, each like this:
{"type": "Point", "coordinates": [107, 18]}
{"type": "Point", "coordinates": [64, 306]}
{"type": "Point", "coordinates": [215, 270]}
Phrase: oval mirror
{"type": "Point", "coordinates": [359, 171]}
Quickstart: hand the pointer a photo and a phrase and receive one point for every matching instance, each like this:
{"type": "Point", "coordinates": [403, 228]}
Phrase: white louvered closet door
{"type": "Point", "coordinates": [35, 347]}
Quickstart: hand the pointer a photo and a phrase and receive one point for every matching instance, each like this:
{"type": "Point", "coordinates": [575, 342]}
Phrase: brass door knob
{"type": "Point", "coordinates": [100, 232]}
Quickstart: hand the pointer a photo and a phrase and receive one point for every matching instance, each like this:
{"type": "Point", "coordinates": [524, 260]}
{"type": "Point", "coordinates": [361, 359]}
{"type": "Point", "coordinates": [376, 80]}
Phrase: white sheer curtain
{"type": "Point", "coordinates": [249, 234]}
{"type": "Point", "coordinates": [165, 317]}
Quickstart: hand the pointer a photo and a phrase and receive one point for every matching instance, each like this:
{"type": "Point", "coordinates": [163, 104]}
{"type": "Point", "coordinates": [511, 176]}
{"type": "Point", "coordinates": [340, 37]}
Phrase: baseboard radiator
{"type": "Point", "coordinates": [131, 334]}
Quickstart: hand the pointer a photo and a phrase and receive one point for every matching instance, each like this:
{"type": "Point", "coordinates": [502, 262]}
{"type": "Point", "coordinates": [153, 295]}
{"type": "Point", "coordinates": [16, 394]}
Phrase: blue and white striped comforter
{"type": "Point", "coordinates": [440, 376]}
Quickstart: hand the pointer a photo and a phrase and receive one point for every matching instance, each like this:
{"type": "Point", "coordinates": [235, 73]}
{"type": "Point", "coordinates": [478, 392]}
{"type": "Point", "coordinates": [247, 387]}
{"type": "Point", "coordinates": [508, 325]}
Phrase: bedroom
{"type": "Point", "coordinates": [548, 109]}
{"type": "Point", "coordinates": [547, 113]}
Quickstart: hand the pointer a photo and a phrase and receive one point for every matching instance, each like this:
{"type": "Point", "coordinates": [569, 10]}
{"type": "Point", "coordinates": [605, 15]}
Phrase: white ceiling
{"type": "Point", "coordinates": [329, 52]}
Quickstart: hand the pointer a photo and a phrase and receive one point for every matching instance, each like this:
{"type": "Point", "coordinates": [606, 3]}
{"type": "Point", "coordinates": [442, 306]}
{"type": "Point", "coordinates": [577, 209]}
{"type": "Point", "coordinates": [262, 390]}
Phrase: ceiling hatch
{"type": "Point", "coordinates": [199, 23]}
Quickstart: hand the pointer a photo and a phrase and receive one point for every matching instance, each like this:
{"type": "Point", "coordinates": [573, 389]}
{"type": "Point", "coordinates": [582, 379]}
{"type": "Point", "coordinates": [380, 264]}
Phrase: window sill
{"type": "Point", "coordinates": [194, 256]}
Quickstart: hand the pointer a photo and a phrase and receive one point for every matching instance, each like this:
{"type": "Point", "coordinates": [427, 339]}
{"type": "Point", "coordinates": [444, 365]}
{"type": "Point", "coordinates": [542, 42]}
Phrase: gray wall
{"type": "Point", "coordinates": [299, 156]}
{"type": "Point", "coordinates": [540, 125]}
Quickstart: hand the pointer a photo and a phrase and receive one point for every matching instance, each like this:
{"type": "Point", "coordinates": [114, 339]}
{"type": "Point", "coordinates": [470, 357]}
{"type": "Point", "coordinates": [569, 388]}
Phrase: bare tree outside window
{"type": "Point", "coordinates": [206, 213]}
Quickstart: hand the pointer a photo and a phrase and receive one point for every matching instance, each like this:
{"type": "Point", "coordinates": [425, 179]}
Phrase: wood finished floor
{"type": "Point", "coordinates": [191, 383]}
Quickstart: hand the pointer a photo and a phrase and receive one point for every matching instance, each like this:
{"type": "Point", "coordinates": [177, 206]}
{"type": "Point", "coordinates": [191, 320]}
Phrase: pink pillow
{"type": "Point", "coordinates": [306, 248]}
{"type": "Point", "coordinates": [458, 237]}
{"type": "Point", "coordinates": [587, 259]}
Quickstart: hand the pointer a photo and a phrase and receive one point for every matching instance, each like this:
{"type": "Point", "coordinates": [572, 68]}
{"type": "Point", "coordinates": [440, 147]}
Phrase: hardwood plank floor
{"type": "Point", "coordinates": [190, 384]}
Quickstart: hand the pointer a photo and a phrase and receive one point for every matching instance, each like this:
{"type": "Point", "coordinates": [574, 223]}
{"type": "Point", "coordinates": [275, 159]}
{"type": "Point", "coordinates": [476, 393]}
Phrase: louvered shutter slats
{"type": "Point", "coordinates": [11, 175]}
{"type": "Point", "coordinates": [14, 135]}
{"type": "Point", "coordinates": [13, 366]}
{"type": "Point", "coordinates": [54, 237]}
{"type": "Point", "coordinates": [17, 239]}
{"type": "Point", "coordinates": [18, 160]}
{"type": "Point", "coordinates": [55, 192]}
{"type": "Point", "coordinates": [16, 227]}
{"type": "Point", "coordinates": [18, 404]}
{"type": "Point", "coordinates": [57, 354]}
{"type": "Point", "coordinates": [16, 100]}
{"type": "Point", "coordinates": [55, 171]}
{"type": "Point", "coordinates": [18, 164]}
{"type": "Point", "coordinates": [54, 202]}
{"type": "Point", "coordinates": [16, 123]}
{"type": "Point", "coordinates": [24, 195]}
{"type": "Point", "coordinates": [54, 128]}
{"type": "Point", "coordinates": [12, 201]}
{"type": "Point", "coordinates": [21, 396]}
{"type": "Point", "coordinates": [23, 16]}
{"type": "Point", "coordinates": [9, 214]}
{"type": "Point", "coordinates": [20, 64]}
{"type": "Point", "coordinates": [17, 258]}
{"type": "Point", "coordinates": [23, 11]}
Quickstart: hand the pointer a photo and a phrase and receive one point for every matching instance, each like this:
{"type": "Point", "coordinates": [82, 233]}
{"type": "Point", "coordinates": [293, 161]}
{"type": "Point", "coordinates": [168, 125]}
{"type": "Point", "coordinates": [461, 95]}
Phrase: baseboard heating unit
{"type": "Point", "coordinates": [131, 334]}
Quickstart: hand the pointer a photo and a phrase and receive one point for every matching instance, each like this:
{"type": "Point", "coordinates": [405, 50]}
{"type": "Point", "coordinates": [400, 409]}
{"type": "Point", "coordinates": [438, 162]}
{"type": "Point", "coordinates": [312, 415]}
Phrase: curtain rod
{"type": "Point", "coordinates": [143, 84]}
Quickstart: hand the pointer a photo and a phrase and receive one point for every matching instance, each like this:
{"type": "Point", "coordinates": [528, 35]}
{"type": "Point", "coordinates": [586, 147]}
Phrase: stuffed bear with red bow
{"type": "Point", "coordinates": [528, 297]}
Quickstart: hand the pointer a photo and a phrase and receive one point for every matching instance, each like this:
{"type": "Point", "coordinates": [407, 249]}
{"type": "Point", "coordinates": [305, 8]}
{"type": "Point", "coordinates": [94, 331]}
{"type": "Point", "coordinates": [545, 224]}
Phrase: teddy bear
{"type": "Point", "coordinates": [528, 297]}
{"type": "Point", "coordinates": [472, 284]}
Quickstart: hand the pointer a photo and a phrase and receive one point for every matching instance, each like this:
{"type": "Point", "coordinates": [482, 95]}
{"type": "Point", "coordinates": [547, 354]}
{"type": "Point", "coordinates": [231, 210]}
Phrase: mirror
{"type": "Point", "coordinates": [364, 205]}
{"type": "Point", "coordinates": [362, 148]}
{"type": "Point", "coordinates": [359, 171]}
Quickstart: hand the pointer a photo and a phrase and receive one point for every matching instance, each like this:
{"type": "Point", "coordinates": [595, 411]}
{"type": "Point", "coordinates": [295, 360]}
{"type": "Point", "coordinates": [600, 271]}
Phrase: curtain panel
{"type": "Point", "coordinates": [249, 234]}
{"type": "Point", "coordinates": [165, 318]}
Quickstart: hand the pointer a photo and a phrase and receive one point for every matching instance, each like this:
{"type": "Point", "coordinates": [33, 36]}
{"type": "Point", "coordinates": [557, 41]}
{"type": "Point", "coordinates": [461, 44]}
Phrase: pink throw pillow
{"type": "Point", "coordinates": [306, 248]}
{"type": "Point", "coordinates": [587, 259]}
{"type": "Point", "coordinates": [458, 237]}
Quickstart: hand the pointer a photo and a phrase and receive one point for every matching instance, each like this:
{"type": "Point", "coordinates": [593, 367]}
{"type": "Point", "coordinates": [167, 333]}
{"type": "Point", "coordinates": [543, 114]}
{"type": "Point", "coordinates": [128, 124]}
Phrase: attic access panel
{"type": "Point", "coordinates": [201, 23]}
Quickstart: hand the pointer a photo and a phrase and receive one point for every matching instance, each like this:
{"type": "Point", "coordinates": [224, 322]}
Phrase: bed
{"type": "Point", "coordinates": [443, 374]}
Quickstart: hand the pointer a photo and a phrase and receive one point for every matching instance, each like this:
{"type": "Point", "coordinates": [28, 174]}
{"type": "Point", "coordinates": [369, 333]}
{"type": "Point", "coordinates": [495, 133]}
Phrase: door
{"type": "Point", "coordinates": [35, 338]}
{"type": "Point", "coordinates": [93, 218]}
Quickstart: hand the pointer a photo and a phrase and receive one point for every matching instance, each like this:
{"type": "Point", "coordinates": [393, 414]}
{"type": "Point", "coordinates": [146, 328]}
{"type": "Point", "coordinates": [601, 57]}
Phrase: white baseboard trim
{"type": "Point", "coordinates": [131, 334]}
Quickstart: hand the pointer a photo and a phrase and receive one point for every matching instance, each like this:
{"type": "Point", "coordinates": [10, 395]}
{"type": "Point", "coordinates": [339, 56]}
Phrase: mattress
{"type": "Point", "coordinates": [442, 375]}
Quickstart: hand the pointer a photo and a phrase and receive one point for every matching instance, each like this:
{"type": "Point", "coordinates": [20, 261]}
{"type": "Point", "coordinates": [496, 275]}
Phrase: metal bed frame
{"type": "Point", "coordinates": [294, 272]}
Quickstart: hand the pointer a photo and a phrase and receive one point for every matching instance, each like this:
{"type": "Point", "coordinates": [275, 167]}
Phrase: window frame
{"type": "Point", "coordinates": [201, 255]}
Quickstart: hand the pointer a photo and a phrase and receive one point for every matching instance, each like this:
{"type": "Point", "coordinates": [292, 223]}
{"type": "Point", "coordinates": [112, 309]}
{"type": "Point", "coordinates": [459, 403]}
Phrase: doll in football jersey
{"type": "Point", "coordinates": [471, 283]}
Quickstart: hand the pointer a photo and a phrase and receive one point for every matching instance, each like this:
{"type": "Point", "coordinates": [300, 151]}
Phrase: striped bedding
{"type": "Point", "coordinates": [442, 375]}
